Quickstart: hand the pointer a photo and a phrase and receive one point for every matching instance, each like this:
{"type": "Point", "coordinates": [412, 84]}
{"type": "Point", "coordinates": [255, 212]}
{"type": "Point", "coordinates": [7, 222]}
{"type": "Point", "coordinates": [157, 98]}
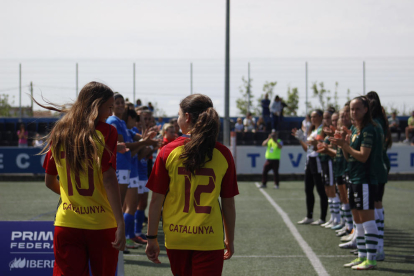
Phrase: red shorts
{"type": "Point", "coordinates": [75, 248]}
{"type": "Point", "coordinates": [197, 263]}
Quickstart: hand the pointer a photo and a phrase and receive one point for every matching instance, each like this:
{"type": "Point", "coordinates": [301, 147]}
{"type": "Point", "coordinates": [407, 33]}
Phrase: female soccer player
{"type": "Point", "coordinates": [313, 170]}
{"type": "Point", "coordinates": [123, 160]}
{"type": "Point", "coordinates": [360, 153]}
{"type": "Point", "coordinates": [383, 166]}
{"type": "Point", "coordinates": [188, 177]}
{"type": "Point", "coordinates": [327, 173]}
{"type": "Point", "coordinates": [81, 149]}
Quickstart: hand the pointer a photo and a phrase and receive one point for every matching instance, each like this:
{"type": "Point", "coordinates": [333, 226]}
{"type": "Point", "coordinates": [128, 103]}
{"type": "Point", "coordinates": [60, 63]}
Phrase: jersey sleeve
{"type": "Point", "coordinates": [229, 187]}
{"type": "Point", "coordinates": [109, 158]}
{"type": "Point", "coordinates": [280, 142]}
{"type": "Point", "coordinates": [367, 137]}
{"type": "Point", "coordinates": [49, 164]}
{"type": "Point", "coordinates": [159, 180]}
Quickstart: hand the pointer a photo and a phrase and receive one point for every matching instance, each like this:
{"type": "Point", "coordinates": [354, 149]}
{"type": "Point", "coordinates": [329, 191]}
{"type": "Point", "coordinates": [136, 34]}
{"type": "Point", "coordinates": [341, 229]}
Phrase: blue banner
{"type": "Point", "coordinates": [21, 160]}
{"type": "Point", "coordinates": [26, 248]}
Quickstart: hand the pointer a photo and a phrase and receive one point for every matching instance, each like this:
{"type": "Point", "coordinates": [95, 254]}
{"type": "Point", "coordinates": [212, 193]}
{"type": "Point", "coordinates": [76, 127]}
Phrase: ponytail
{"type": "Point", "coordinates": [205, 126]}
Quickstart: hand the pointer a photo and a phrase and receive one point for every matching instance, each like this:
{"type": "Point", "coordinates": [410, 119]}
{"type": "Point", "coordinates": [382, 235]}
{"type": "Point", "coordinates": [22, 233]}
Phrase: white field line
{"type": "Point", "coordinates": [314, 260]}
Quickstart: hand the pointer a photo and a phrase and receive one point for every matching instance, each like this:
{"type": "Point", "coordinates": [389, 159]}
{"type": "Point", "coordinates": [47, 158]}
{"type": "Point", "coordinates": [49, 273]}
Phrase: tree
{"type": "Point", "coordinates": [244, 104]}
{"type": "Point", "coordinates": [325, 97]}
{"type": "Point", "coordinates": [292, 102]}
{"type": "Point", "coordinates": [5, 106]}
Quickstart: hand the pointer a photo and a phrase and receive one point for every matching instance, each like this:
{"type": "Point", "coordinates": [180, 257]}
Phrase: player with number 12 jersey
{"type": "Point", "coordinates": [192, 215]}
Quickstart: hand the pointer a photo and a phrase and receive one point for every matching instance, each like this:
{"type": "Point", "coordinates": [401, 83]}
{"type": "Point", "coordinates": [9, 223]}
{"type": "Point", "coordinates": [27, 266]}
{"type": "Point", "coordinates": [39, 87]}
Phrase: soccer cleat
{"type": "Point", "coordinates": [305, 221]}
{"type": "Point", "coordinates": [139, 240]}
{"type": "Point", "coordinates": [339, 226]}
{"type": "Point", "coordinates": [326, 223]}
{"type": "Point", "coordinates": [130, 244]}
{"type": "Point", "coordinates": [343, 233]}
{"type": "Point", "coordinates": [276, 187]}
{"type": "Point", "coordinates": [348, 245]}
{"type": "Point", "coordinates": [262, 186]}
{"type": "Point", "coordinates": [349, 237]}
{"type": "Point", "coordinates": [355, 262]}
{"type": "Point", "coordinates": [367, 264]}
{"type": "Point", "coordinates": [340, 230]}
{"type": "Point", "coordinates": [329, 225]}
{"type": "Point", "coordinates": [318, 222]}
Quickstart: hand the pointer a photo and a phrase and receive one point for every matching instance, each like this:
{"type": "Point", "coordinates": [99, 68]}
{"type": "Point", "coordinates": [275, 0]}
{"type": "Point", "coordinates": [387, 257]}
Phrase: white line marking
{"type": "Point", "coordinates": [314, 260]}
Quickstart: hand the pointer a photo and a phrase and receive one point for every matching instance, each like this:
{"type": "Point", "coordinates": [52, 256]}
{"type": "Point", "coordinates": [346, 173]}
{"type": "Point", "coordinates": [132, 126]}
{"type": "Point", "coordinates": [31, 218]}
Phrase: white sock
{"type": "Point", "coordinates": [371, 239]}
{"type": "Point", "coordinates": [330, 207]}
{"type": "Point", "coordinates": [379, 220]}
{"type": "Point", "coordinates": [336, 205]}
{"type": "Point", "coordinates": [360, 239]}
{"type": "Point", "coordinates": [348, 216]}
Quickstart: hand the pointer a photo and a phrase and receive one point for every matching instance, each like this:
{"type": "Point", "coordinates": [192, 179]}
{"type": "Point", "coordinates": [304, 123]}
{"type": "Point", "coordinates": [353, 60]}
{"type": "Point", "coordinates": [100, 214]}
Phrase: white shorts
{"type": "Point", "coordinates": [123, 176]}
{"type": "Point", "coordinates": [133, 182]}
{"type": "Point", "coordinates": [141, 187]}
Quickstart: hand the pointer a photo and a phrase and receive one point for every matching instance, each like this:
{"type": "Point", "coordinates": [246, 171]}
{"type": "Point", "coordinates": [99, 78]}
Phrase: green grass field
{"type": "Point", "coordinates": [264, 245]}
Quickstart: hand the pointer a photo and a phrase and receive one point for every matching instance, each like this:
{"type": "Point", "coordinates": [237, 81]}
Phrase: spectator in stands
{"type": "Point", "coordinates": [138, 103]}
{"type": "Point", "coordinates": [306, 124]}
{"type": "Point", "coordinates": [38, 142]}
{"type": "Point", "coordinates": [150, 107]}
{"type": "Point", "coordinates": [276, 110]}
{"type": "Point", "coordinates": [23, 135]}
{"type": "Point", "coordinates": [261, 124]}
{"type": "Point", "coordinates": [239, 127]}
{"type": "Point", "coordinates": [249, 122]}
{"type": "Point", "coordinates": [266, 111]}
{"type": "Point", "coordinates": [394, 124]}
{"type": "Point", "coordinates": [409, 128]}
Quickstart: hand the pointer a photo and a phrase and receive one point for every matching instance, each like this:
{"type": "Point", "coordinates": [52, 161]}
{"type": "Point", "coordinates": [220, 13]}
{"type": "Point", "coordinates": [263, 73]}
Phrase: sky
{"type": "Point", "coordinates": [49, 37]}
{"type": "Point", "coordinates": [196, 29]}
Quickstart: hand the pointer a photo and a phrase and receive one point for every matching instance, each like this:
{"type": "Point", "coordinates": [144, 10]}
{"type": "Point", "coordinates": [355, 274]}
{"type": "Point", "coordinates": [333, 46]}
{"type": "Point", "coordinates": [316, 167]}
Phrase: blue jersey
{"type": "Point", "coordinates": [123, 160]}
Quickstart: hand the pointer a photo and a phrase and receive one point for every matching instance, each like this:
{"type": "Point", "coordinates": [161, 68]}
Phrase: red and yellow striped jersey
{"type": "Point", "coordinates": [83, 200]}
{"type": "Point", "coordinates": [192, 218]}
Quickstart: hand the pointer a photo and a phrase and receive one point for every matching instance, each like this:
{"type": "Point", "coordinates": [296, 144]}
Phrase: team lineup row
{"type": "Point", "coordinates": [348, 165]}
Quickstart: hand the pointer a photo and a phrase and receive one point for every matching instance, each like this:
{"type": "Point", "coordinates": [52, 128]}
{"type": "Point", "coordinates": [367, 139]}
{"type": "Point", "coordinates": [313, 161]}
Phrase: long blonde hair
{"type": "Point", "coordinates": [75, 131]}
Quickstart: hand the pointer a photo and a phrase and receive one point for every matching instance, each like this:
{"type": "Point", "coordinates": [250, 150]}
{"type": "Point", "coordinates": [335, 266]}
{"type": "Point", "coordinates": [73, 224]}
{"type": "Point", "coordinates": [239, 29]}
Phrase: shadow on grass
{"type": "Point", "coordinates": [399, 248]}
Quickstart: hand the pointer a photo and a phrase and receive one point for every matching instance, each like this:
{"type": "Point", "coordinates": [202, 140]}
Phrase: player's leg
{"type": "Point", "coordinates": [365, 212]}
{"type": "Point", "coordinates": [103, 257]}
{"type": "Point", "coordinates": [71, 256]}
{"type": "Point", "coordinates": [310, 198]}
{"type": "Point", "coordinates": [379, 219]}
{"type": "Point", "coordinates": [123, 181]}
{"type": "Point", "coordinates": [131, 202]}
{"type": "Point", "coordinates": [207, 263]}
{"type": "Point", "coordinates": [140, 213]}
